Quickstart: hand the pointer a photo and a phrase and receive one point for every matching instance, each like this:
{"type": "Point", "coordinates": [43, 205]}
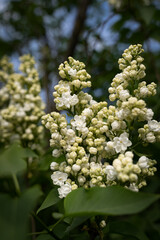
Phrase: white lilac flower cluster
{"type": "Point", "coordinates": [150, 132]}
{"type": "Point", "coordinates": [75, 79]}
{"type": "Point", "coordinates": [22, 107]}
{"type": "Point", "coordinates": [99, 143]}
{"type": "Point", "coordinates": [5, 69]}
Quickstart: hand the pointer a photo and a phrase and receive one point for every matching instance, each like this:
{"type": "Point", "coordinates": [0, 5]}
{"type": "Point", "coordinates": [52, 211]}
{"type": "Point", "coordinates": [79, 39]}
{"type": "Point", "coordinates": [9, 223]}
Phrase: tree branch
{"type": "Point", "coordinates": [78, 27]}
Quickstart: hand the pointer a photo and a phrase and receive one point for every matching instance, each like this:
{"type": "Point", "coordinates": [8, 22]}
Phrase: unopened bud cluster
{"type": "Point", "coordinates": [22, 106]}
{"type": "Point", "coordinates": [99, 143]}
{"type": "Point", "coordinates": [75, 78]}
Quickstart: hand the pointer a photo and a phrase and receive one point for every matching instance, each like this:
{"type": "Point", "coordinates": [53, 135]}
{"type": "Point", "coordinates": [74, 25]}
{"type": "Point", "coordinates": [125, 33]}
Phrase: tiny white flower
{"type": "Point", "coordinates": [59, 178]}
{"type": "Point", "coordinates": [72, 72]}
{"type": "Point", "coordinates": [20, 113]}
{"type": "Point", "coordinates": [129, 154]}
{"type": "Point", "coordinates": [74, 100]}
{"type": "Point", "coordinates": [124, 94]}
{"type": "Point", "coordinates": [120, 114]}
{"type": "Point", "coordinates": [133, 187]}
{"type": "Point", "coordinates": [68, 169]}
{"type": "Point", "coordinates": [85, 131]}
{"type": "Point", "coordinates": [28, 131]}
{"type": "Point", "coordinates": [115, 125]}
{"type": "Point", "coordinates": [71, 136]}
{"type": "Point", "coordinates": [93, 150]}
{"type": "Point", "coordinates": [154, 126]}
{"type": "Point", "coordinates": [56, 136]}
{"type": "Point", "coordinates": [87, 112]}
{"type": "Point", "coordinates": [92, 102]}
{"type": "Point", "coordinates": [56, 152]}
{"type": "Point", "coordinates": [53, 166]}
{"type": "Point", "coordinates": [76, 83]}
{"type": "Point", "coordinates": [121, 143]}
{"type": "Point", "coordinates": [110, 147]}
{"type": "Point", "coordinates": [17, 96]}
{"type": "Point", "coordinates": [70, 133]}
{"type": "Point", "coordinates": [88, 97]}
{"type": "Point", "coordinates": [143, 162]}
{"type": "Point", "coordinates": [117, 164]}
{"type": "Point", "coordinates": [64, 85]}
{"type": "Point", "coordinates": [81, 179]}
{"type": "Point", "coordinates": [62, 74]}
{"type": "Point", "coordinates": [64, 190]}
{"type": "Point", "coordinates": [28, 106]}
{"type": "Point", "coordinates": [102, 224]}
{"type": "Point", "coordinates": [150, 137]}
{"type": "Point", "coordinates": [95, 167]}
{"type": "Point", "coordinates": [111, 173]}
{"type": "Point", "coordinates": [123, 113]}
{"type": "Point", "coordinates": [149, 114]}
{"type": "Point", "coordinates": [144, 91]}
{"type": "Point", "coordinates": [79, 122]}
{"type": "Point", "coordinates": [67, 100]}
{"type": "Point", "coordinates": [76, 167]}
{"type": "Point", "coordinates": [119, 76]}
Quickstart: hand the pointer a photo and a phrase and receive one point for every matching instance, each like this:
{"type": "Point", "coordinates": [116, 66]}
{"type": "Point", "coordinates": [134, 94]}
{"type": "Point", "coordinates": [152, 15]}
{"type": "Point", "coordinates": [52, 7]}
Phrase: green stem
{"type": "Point", "coordinates": [36, 233]}
{"type": "Point", "coordinates": [44, 225]}
{"type": "Point", "coordinates": [51, 229]}
{"type": "Point", "coordinates": [40, 221]}
{"type": "Point", "coordinates": [135, 145]}
{"type": "Point", "coordinates": [16, 184]}
{"type": "Point", "coordinates": [33, 225]}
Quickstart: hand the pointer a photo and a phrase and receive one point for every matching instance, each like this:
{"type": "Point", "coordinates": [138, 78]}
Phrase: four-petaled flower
{"type": "Point", "coordinates": [67, 100]}
{"type": "Point", "coordinates": [79, 122]}
{"type": "Point", "coordinates": [122, 142]}
{"type": "Point", "coordinates": [64, 190]}
{"type": "Point", "coordinates": [59, 178]}
{"type": "Point", "coordinates": [111, 173]}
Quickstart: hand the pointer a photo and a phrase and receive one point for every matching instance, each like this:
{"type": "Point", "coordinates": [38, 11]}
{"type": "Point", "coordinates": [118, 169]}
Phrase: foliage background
{"type": "Point", "coordinates": [96, 33]}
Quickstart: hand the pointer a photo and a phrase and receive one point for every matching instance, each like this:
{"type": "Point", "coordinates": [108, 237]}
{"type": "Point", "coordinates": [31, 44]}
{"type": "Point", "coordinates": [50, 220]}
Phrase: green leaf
{"type": "Point", "coordinates": [113, 200]}
{"type": "Point", "coordinates": [12, 160]}
{"type": "Point", "coordinates": [30, 153]}
{"type": "Point", "coordinates": [57, 215]}
{"type": "Point", "coordinates": [68, 220]}
{"type": "Point", "coordinates": [81, 236]}
{"type": "Point", "coordinates": [59, 229]}
{"type": "Point", "coordinates": [76, 222]}
{"type": "Point", "coordinates": [51, 199]}
{"type": "Point", "coordinates": [15, 214]}
{"type": "Point", "coordinates": [45, 237]}
{"type": "Point", "coordinates": [126, 229]}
